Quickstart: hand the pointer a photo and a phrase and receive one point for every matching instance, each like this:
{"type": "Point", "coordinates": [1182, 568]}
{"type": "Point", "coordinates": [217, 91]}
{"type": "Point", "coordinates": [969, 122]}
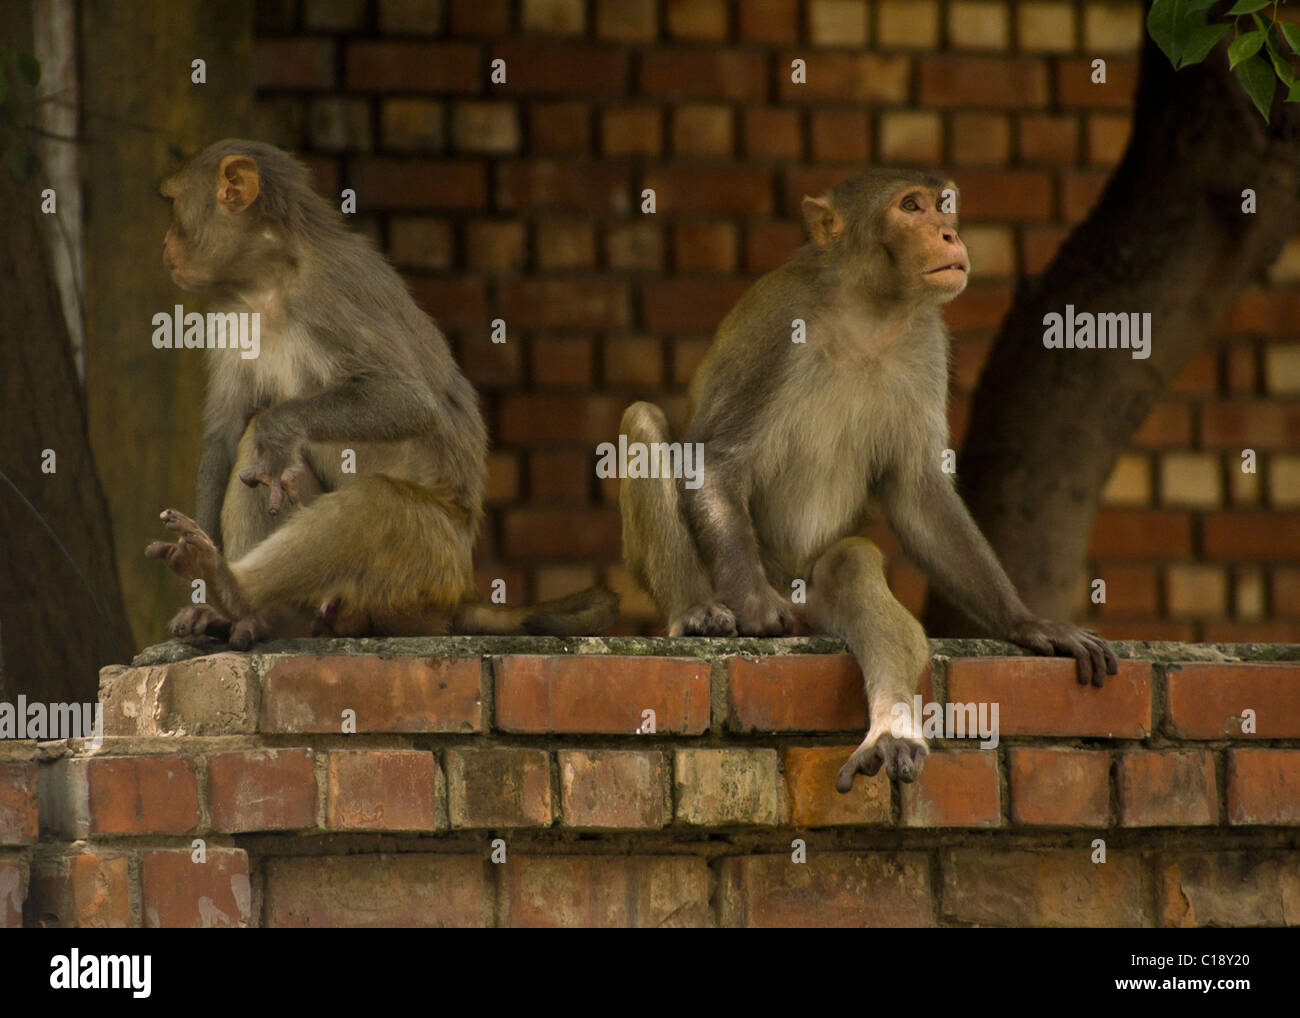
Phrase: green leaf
{"type": "Point", "coordinates": [29, 67]}
{"type": "Point", "coordinates": [1160, 24]}
{"type": "Point", "coordinates": [1244, 46]}
{"type": "Point", "coordinates": [1257, 78]}
{"type": "Point", "coordinates": [1199, 41]}
{"type": "Point", "coordinates": [1292, 33]}
{"type": "Point", "coordinates": [1247, 7]}
{"type": "Point", "coordinates": [1294, 95]}
{"type": "Point", "coordinates": [1280, 65]}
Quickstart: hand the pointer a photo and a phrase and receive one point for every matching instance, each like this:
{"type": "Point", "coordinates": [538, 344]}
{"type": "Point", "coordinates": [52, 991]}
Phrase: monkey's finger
{"type": "Point", "coordinates": [158, 549]}
{"type": "Point", "coordinates": [1098, 662]}
{"type": "Point", "coordinates": [251, 477]}
{"type": "Point", "coordinates": [277, 496]}
{"type": "Point", "coordinates": [1082, 660]}
{"type": "Point", "coordinates": [1112, 662]}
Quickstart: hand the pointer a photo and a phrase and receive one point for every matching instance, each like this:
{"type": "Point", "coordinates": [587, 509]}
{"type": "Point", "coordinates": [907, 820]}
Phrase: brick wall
{"type": "Point", "coordinates": [466, 747]}
{"type": "Point", "coordinates": [521, 201]}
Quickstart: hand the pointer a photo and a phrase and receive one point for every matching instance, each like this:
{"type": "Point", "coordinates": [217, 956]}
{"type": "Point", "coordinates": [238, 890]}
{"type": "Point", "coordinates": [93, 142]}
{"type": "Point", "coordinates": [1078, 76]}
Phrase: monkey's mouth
{"type": "Point", "coordinates": [950, 267]}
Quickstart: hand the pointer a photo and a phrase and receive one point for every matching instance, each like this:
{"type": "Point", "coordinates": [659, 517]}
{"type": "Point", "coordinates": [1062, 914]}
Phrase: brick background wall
{"type": "Point", "coordinates": [521, 201]}
{"type": "Point", "coordinates": [461, 742]}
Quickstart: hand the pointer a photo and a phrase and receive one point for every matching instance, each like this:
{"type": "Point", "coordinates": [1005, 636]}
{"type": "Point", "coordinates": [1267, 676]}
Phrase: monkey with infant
{"type": "Point", "coordinates": [808, 433]}
{"type": "Point", "coordinates": [340, 487]}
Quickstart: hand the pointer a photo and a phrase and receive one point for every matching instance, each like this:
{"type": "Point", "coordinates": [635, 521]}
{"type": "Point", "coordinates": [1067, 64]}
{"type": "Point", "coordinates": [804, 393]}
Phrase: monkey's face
{"type": "Point", "coordinates": [214, 240]}
{"type": "Point", "coordinates": [919, 234]}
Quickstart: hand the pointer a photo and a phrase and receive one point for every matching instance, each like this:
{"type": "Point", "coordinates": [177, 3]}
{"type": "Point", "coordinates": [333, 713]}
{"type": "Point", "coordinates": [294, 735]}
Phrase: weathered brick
{"type": "Point", "coordinates": [385, 790]}
{"type": "Point", "coordinates": [721, 787]}
{"type": "Point", "coordinates": [535, 68]}
{"type": "Point", "coordinates": [688, 305]}
{"type": "Point", "coordinates": [540, 533]}
{"type": "Point", "coordinates": [982, 81]}
{"type": "Point", "coordinates": [1059, 787]}
{"type": "Point", "coordinates": [1075, 87]}
{"type": "Point", "coordinates": [634, 130]}
{"type": "Point", "coordinates": [605, 891]}
{"type": "Point", "coordinates": [399, 694]}
{"type": "Point", "coordinates": [955, 789]}
{"type": "Point", "coordinates": [296, 63]}
{"type": "Point", "coordinates": [554, 17]}
{"type": "Point", "coordinates": [383, 183]}
{"type": "Point", "coordinates": [1167, 788]}
{"type": "Point", "coordinates": [122, 795]}
{"type": "Point", "coordinates": [412, 890]}
{"type": "Point", "coordinates": [627, 20]}
{"type": "Point", "coordinates": [1041, 696]}
{"type": "Point", "coordinates": [262, 790]}
{"type": "Point", "coordinates": [810, 773]}
{"type": "Point", "coordinates": [18, 813]}
{"type": "Point", "coordinates": [1264, 786]}
{"type": "Point", "coordinates": [795, 692]}
{"type": "Point", "coordinates": [13, 892]}
{"type": "Point", "coordinates": [422, 67]}
{"type": "Point", "coordinates": [1229, 889]}
{"type": "Point", "coordinates": [86, 891]}
{"type": "Point", "coordinates": [601, 694]}
{"type": "Point", "coordinates": [498, 787]}
{"type": "Point", "coordinates": [211, 695]}
{"type": "Point", "coordinates": [177, 892]}
{"type": "Point", "coordinates": [831, 889]}
{"type": "Point", "coordinates": [412, 124]}
{"type": "Point", "coordinates": [1206, 701]}
{"type": "Point", "coordinates": [845, 77]}
{"type": "Point", "coordinates": [565, 303]}
{"type": "Point", "coordinates": [709, 73]}
{"type": "Point", "coordinates": [609, 788]}
{"type": "Point", "coordinates": [1055, 887]}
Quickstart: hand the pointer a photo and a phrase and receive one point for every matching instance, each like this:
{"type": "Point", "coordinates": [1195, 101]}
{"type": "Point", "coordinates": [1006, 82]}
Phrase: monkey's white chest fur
{"type": "Point", "coordinates": [288, 365]}
{"type": "Point", "coordinates": [835, 430]}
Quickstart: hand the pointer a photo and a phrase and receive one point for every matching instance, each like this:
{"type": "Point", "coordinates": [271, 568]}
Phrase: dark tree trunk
{"type": "Point", "coordinates": [1168, 236]}
{"type": "Point", "coordinates": [61, 613]}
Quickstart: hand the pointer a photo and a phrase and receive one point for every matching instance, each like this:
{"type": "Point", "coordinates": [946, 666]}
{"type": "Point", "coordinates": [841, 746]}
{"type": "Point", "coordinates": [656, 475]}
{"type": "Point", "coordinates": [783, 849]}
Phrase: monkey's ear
{"type": "Point", "coordinates": [237, 183]}
{"type": "Point", "coordinates": [823, 222]}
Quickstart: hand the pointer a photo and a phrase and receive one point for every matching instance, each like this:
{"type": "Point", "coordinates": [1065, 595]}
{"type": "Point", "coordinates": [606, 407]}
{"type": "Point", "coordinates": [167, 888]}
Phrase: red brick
{"type": "Point", "coordinates": [775, 21]}
{"type": "Point", "coordinates": [1052, 887]}
{"type": "Point", "coordinates": [1080, 191]}
{"type": "Point", "coordinates": [262, 790]}
{"type": "Point", "coordinates": [955, 789]}
{"type": "Point", "coordinates": [141, 794]}
{"type": "Point", "coordinates": [689, 305]}
{"type": "Point", "coordinates": [768, 245]}
{"type": "Point", "coordinates": [535, 68]}
{"type": "Point", "coordinates": [711, 190]}
{"type": "Point", "coordinates": [841, 137]}
{"type": "Point", "coordinates": [541, 533]}
{"type": "Point", "coordinates": [705, 247]}
{"type": "Point", "coordinates": [1140, 534]}
{"type": "Point", "coordinates": [498, 788]}
{"type": "Point", "coordinates": [844, 77]}
{"type": "Point", "coordinates": [13, 892]}
{"type": "Point", "coordinates": [697, 19]}
{"type": "Point", "coordinates": [480, 18]}
{"type": "Point", "coordinates": [1271, 313]}
{"type": "Point", "coordinates": [726, 787]}
{"type": "Point", "coordinates": [706, 73]}
{"type": "Point", "coordinates": [1167, 788]}
{"type": "Point", "coordinates": [560, 476]}
{"type": "Point", "coordinates": [1199, 374]}
{"type": "Point", "coordinates": [79, 892]}
{"type": "Point", "coordinates": [1075, 87]}
{"type": "Point", "coordinates": [564, 362]}
{"type": "Point", "coordinates": [1041, 696]}
{"type": "Point", "coordinates": [1264, 787]}
{"type": "Point", "coordinates": [1205, 700]}
{"type": "Point", "coordinates": [560, 128]}
{"type": "Point", "coordinates": [1049, 138]}
{"type": "Point", "coordinates": [178, 893]}
{"type": "Point", "coordinates": [18, 824]}
{"type": "Point", "coordinates": [293, 63]}
{"type": "Point", "coordinates": [565, 303]}
{"type": "Point", "coordinates": [534, 419]}
{"type": "Point", "coordinates": [384, 790]}
{"type": "Point", "coordinates": [408, 890]}
{"type": "Point", "coordinates": [605, 891]}
{"type": "Point", "coordinates": [1254, 888]}
{"type": "Point", "coordinates": [609, 788]}
{"type": "Point", "coordinates": [491, 365]}
{"type": "Point", "coordinates": [1004, 82]}
{"type": "Point", "coordinates": [795, 693]}
{"type": "Point", "coordinates": [600, 694]}
{"type": "Point", "coordinates": [453, 303]}
{"type": "Point", "coordinates": [1129, 589]}
{"type": "Point", "coordinates": [631, 131]}
{"type": "Point", "coordinates": [810, 773]}
{"type": "Point", "coordinates": [1168, 425]}
{"type": "Point", "coordinates": [431, 68]}
{"type": "Point", "coordinates": [582, 186]}
{"type": "Point", "coordinates": [1013, 195]}
{"type": "Point", "coordinates": [402, 184]}
{"type": "Point", "coordinates": [1266, 536]}
{"type": "Point", "coordinates": [398, 694]}
{"type": "Point", "coordinates": [831, 889]}
{"type": "Point", "coordinates": [1059, 787]}
{"type": "Point", "coordinates": [1242, 424]}
{"type": "Point", "coordinates": [772, 133]}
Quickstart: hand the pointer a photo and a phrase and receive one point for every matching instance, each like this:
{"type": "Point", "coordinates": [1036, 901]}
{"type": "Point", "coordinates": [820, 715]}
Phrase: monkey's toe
{"type": "Point", "coordinates": [903, 758]}
{"type": "Point", "coordinates": [326, 617]}
{"type": "Point", "coordinates": [248, 631]}
{"type": "Point", "coordinates": [707, 620]}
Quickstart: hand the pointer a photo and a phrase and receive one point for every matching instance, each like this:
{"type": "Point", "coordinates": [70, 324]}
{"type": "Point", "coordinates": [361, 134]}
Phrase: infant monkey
{"type": "Point", "coordinates": [340, 488]}
{"type": "Point", "coordinates": [807, 433]}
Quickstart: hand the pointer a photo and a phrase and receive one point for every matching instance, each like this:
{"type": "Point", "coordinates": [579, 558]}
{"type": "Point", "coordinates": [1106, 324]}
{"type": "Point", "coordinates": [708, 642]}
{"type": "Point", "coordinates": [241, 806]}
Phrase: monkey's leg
{"type": "Point", "coordinates": [246, 517]}
{"type": "Point", "coordinates": [848, 596]}
{"type": "Point", "coordinates": [658, 548]}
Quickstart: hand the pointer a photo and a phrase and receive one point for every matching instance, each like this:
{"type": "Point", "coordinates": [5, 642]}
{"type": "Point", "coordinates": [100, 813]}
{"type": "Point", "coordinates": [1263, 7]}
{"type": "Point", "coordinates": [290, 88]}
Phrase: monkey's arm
{"type": "Point", "coordinates": [937, 531]}
{"type": "Point", "coordinates": [719, 521]}
{"type": "Point", "coordinates": [215, 465]}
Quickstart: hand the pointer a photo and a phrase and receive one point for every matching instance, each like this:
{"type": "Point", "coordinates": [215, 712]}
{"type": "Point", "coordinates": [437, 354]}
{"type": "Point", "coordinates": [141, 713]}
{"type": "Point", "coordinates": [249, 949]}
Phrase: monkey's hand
{"type": "Point", "coordinates": [1043, 636]}
{"type": "Point", "coordinates": [281, 464]}
{"type": "Point", "coordinates": [761, 612]}
{"type": "Point", "coordinates": [897, 745]}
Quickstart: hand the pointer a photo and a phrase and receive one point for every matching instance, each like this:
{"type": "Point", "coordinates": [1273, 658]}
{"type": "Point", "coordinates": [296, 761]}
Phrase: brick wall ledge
{"type": "Point", "coordinates": [634, 781]}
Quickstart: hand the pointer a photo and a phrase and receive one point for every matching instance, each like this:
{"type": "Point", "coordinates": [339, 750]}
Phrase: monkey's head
{"type": "Point", "coordinates": [234, 206]}
{"type": "Point", "coordinates": [895, 233]}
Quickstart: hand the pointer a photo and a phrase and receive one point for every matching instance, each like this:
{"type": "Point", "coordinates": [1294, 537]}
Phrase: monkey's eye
{"type": "Point", "coordinates": [910, 204]}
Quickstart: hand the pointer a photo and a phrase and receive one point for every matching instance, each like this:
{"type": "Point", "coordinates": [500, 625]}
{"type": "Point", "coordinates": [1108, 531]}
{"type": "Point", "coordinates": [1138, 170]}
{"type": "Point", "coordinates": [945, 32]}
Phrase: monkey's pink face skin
{"type": "Point", "coordinates": [928, 252]}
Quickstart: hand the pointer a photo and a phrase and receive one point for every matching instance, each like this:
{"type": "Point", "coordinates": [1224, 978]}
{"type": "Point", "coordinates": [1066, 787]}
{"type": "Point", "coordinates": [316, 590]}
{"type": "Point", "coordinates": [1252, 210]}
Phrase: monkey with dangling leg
{"type": "Point", "coordinates": [287, 541]}
{"type": "Point", "coordinates": [805, 441]}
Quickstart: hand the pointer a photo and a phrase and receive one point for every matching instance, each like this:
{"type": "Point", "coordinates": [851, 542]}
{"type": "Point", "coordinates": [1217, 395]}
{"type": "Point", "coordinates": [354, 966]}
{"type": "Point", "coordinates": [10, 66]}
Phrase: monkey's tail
{"type": "Point", "coordinates": [587, 613]}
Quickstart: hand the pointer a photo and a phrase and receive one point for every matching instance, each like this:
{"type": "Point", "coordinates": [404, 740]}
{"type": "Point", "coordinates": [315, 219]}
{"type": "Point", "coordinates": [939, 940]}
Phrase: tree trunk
{"type": "Point", "coordinates": [1169, 237]}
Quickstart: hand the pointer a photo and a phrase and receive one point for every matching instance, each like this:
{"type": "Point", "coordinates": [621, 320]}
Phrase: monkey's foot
{"type": "Point", "coordinates": [196, 621]}
{"type": "Point", "coordinates": [713, 619]}
{"type": "Point", "coordinates": [763, 612]}
{"type": "Point", "coordinates": [194, 556]}
{"type": "Point", "coordinates": [901, 756]}
{"type": "Point", "coordinates": [248, 631]}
